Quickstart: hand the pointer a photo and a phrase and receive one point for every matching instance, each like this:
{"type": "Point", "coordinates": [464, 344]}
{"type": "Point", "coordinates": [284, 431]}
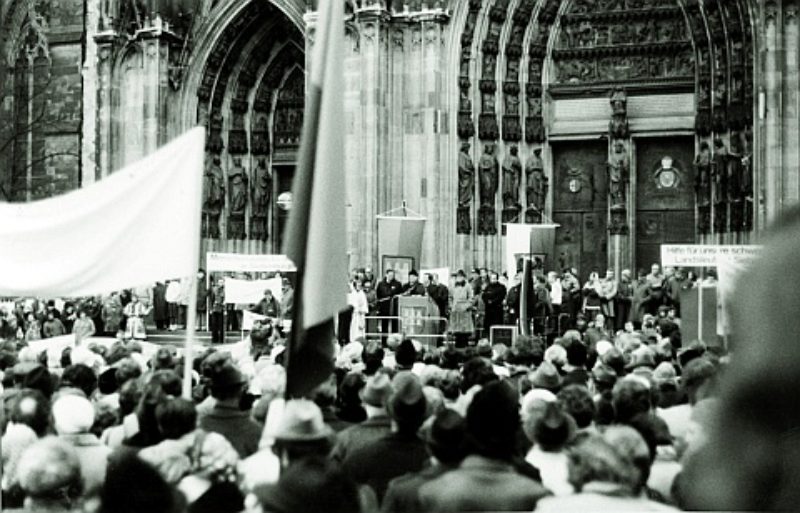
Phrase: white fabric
{"type": "Point", "coordinates": [138, 226]}
{"type": "Point", "coordinates": [554, 469]}
{"type": "Point", "coordinates": [358, 300]}
{"type": "Point", "coordinates": [250, 318]}
{"type": "Point", "coordinates": [251, 292]}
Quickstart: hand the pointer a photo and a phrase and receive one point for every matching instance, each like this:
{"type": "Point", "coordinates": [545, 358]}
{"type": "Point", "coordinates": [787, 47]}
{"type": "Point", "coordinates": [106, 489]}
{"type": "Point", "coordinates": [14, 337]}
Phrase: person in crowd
{"type": "Point", "coordinates": [493, 296]}
{"type": "Point", "coordinates": [150, 493]}
{"type": "Point", "coordinates": [372, 305]}
{"type": "Point", "coordinates": [597, 331]}
{"type": "Point", "coordinates": [445, 438]}
{"type": "Point", "coordinates": [324, 396]}
{"type": "Point", "coordinates": [462, 301]}
{"type": "Point", "coordinates": [50, 477]}
{"type": "Point", "coordinates": [604, 472]}
{"type": "Point", "coordinates": [173, 297]}
{"type": "Point", "coordinates": [33, 330]}
{"type": "Point", "coordinates": [575, 367]}
{"type": "Point", "coordinates": [227, 385]}
{"type": "Point", "coordinates": [69, 316]}
{"type": "Point", "coordinates": [387, 290]}
{"type": "Point", "coordinates": [609, 288]}
{"type": "Point", "coordinates": [73, 417]}
{"type": "Point", "coordinates": [135, 311]}
{"type": "Point", "coordinates": [375, 396]}
{"type": "Point", "coordinates": [160, 309]}
{"type": "Point", "coordinates": [287, 300]}
{"type": "Point", "coordinates": [487, 479]}
{"type": "Point", "coordinates": [112, 314]}
{"type": "Point", "coordinates": [349, 407]}
{"type": "Point", "coordinates": [593, 296]}
{"type": "Point", "coordinates": [53, 327]}
{"type": "Point", "coordinates": [623, 303]}
{"type": "Point", "coordinates": [202, 301]}
{"type": "Point", "coordinates": [83, 327]}
{"type": "Point", "coordinates": [141, 429]}
{"type": "Point", "coordinates": [216, 322]}
{"type": "Point", "coordinates": [578, 403]}
{"type": "Point", "coordinates": [357, 299]}
{"type": "Point", "coordinates": [268, 306]}
{"type": "Point", "coordinates": [572, 292]}
{"type": "Point", "coordinates": [413, 287]}
{"type": "Point", "coordinates": [396, 453]}
{"type": "Point", "coordinates": [542, 307]}
{"type": "Point", "coordinates": [551, 432]}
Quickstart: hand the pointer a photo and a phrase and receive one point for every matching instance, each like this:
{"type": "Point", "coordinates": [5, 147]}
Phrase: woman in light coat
{"type": "Point", "coordinates": [462, 301]}
{"type": "Point", "coordinates": [358, 300]}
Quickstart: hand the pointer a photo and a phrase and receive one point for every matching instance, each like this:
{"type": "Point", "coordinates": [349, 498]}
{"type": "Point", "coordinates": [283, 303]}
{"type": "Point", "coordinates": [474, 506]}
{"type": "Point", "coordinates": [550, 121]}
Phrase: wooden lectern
{"type": "Point", "coordinates": [413, 311]}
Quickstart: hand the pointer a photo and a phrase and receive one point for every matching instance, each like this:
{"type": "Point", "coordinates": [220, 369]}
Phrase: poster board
{"type": "Point", "coordinates": [707, 255]}
{"type": "Point", "coordinates": [250, 292]}
{"type": "Point", "coordinates": [235, 262]}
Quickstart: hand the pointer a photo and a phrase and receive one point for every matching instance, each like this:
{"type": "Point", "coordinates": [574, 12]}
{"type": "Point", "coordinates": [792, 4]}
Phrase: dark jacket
{"type": "Point", "coordinates": [360, 435]}
{"type": "Point", "coordinates": [386, 458]}
{"type": "Point", "coordinates": [402, 495]}
{"type": "Point", "coordinates": [268, 307]}
{"type": "Point", "coordinates": [417, 289]}
{"type": "Point", "coordinates": [481, 484]}
{"type": "Point", "coordinates": [234, 424]}
{"type": "Point", "coordinates": [385, 291]}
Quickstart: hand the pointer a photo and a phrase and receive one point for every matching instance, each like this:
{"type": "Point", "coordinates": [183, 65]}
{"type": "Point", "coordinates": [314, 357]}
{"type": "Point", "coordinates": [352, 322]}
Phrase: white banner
{"type": "Point", "coordinates": [707, 255]}
{"type": "Point", "coordinates": [442, 273]}
{"type": "Point", "coordinates": [248, 263]}
{"type": "Point", "coordinates": [250, 292]}
{"type": "Point", "coordinates": [139, 225]}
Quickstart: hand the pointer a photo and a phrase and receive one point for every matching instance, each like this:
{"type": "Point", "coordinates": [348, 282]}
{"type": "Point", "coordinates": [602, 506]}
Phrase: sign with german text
{"type": "Point", "coordinates": [707, 255]}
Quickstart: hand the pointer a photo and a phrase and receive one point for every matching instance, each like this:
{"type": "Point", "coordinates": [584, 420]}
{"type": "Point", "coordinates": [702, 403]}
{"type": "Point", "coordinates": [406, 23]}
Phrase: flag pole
{"type": "Point", "coordinates": [191, 320]}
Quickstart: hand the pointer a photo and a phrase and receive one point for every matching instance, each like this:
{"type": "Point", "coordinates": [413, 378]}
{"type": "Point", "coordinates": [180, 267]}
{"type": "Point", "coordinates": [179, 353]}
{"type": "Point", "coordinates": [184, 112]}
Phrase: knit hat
{"type": "Point", "coordinates": [377, 390]}
{"type": "Point", "coordinates": [302, 422]}
{"type": "Point", "coordinates": [407, 403]}
{"type": "Point", "coordinates": [546, 376]}
{"type": "Point", "coordinates": [72, 414]}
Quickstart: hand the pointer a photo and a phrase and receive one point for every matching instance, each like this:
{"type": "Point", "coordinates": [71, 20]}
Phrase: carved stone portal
{"type": "Point", "coordinates": [487, 221]}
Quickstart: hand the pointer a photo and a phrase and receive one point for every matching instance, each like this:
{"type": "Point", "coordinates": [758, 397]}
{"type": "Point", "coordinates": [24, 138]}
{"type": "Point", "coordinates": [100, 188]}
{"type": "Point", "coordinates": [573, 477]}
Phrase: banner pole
{"type": "Point", "coordinates": [188, 357]}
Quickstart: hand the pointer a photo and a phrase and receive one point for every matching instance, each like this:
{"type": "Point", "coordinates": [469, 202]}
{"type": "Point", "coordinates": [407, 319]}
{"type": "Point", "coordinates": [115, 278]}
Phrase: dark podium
{"type": "Point", "coordinates": [414, 312]}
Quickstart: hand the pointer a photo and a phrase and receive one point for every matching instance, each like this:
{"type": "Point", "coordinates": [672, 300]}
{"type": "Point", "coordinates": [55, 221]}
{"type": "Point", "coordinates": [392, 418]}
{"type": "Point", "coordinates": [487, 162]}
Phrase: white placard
{"type": "Point", "coordinates": [442, 273]}
{"type": "Point", "coordinates": [250, 292]}
{"type": "Point", "coordinates": [249, 318]}
{"type": "Point", "coordinates": [248, 263]}
{"type": "Point", "coordinates": [707, 255]}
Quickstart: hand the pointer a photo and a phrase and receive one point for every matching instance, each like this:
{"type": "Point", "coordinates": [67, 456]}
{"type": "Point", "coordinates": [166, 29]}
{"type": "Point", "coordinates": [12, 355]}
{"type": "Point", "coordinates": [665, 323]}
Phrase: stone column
{"type": "Point", "coordinates": [619, 180]}
{"type": "Point", "coordinates": [89, 168]}
{"type": "Point", "coordinates": [790, 195]}
{"type": "Point", "coordinates": [773, 79]}
{"type": "Point", "coordinates": [105, 49]}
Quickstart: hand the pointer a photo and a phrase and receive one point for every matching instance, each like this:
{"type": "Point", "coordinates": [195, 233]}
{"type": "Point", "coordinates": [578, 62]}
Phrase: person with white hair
{"type": "Point", "coordinates": [73, 417]}
{"type": "Point", "coordinates": [50, 476]}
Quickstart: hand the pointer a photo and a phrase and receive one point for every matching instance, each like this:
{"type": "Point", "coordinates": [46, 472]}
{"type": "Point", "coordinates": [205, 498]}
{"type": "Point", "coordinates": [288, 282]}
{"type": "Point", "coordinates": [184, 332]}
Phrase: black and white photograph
{"type": "Point", "coordinates": [399, 256]}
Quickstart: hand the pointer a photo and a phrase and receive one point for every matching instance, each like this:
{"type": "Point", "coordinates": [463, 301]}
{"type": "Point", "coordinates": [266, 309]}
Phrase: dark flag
{"type": "Point", "coordinates": [316, 233]}
{"type": "Point", "coordinates": [525, 296]}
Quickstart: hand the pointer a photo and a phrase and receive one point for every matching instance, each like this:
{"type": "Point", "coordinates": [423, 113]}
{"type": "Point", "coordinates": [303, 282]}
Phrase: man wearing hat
{"type": "Point", "coordinates": [400, 451]}
{"type": "Point", "coordinates": [374, 397]}
{"type": "Point", "coordinates": [385, 292]}
{"type": "Point", "coordinates": [546, 376]}
{"type": "Point", "coordinates": [486, 480]}
{"type": "Point", "coordinates": [493, 296]}
{"type": "Point", "coordinates": [225, 416]}
{"type": "Point", "coordinates": [445, 440]}
{"type": "Point", "coordinates": [413, 287]}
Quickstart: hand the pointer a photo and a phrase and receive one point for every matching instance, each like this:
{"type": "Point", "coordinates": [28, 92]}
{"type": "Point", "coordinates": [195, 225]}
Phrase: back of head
{"type": "Point", "coordinates": [176, 417]}
{"type": "Point", "coordinates": [554, 429]}
{"type": "Point", "coordinates": [32, 408]}
{"type": "Point", "coordinates": [578, 403]}
{"type": "Point", "coordinates": [406, 354]}
{"type": "Point", "coordinates": [407, 404]}
{"type": "Point", "coordinates": [493, 421]}
{"type": "Point", "coordinates": [127, 368]}
{"type": "Point", "coordinates": [631, 397]}
{"type": "Point", "coordinates": [72, 414]}
{"type": "Point", "coordinates": [446, 437]}
{"type": "Point", "coordinates": [134, 486]}
{"type": "Point", "coordinates": [577, 353]}
{"type": "Point", "coordinates": [372, 357]}
{"type": "Point", "coordinates": [49, 473]}
{"type": "Point", "coordinates": [699, 378]}
{"type": "Point", "coordinates": [631, 445]}
{"type": "Point", "coordinates": [594, 459]}
{"type": "Point", "coordinates": [477, 371]}
{"type": "Point", "coordinates": [81, 377]}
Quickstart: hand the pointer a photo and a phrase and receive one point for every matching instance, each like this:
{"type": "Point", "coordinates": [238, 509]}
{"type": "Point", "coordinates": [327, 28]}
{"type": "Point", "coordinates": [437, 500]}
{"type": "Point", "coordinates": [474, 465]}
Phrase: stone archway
{"type": "Point", "coordinates": [244, 88]}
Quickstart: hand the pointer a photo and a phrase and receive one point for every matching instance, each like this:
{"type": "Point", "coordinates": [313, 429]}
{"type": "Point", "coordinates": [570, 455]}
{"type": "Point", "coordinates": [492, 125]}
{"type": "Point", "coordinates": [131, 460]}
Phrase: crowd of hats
{"type": "Point", "coordinates": [496, 401]}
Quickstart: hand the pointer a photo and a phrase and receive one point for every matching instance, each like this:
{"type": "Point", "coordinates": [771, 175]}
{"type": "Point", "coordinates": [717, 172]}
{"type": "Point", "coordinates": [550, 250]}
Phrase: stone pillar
{"type": "Point", "coordinates": [619, 180]}
{"type": "Point", "coordinates": [156, 44]}
{"type": "Point", "coordinates": [105, 48]}
{"type": "Point", "coordinates": [790, 194]}
{"type": "Point", "coordinates": [89, 168]}
{"type": "Point", "coordinates": [773, 79]}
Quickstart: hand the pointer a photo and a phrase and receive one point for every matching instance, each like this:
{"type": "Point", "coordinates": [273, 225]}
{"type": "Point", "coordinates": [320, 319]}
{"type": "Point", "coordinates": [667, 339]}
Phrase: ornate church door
{"type": "Point", "coordinates": [665, 203]}
{"type": "Point", "coordinates": [580, 205]}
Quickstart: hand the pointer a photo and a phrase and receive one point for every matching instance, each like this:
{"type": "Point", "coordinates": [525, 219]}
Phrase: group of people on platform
{"type": "Point", "coordinates": [126, 314]}
{"type": "Point", "coordinates": [474, 305]}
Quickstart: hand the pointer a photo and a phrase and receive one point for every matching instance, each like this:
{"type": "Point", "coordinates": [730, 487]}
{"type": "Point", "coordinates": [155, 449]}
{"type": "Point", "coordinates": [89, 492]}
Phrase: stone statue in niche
{"type": "Point", "coordinates": [237, 199]}
{"type": "Point", "coordinates": [720, 171]}
{"type": "Point", "coordinates": [618, 126]}
{"type": "Point", "coordinates": [618, 175]}
{"type": "Point", "coordinates": [535, 185]}
{"type": "Point", "coordinates": [735, 171]}
{"type": "Point", "coordinates": [260, 135]}
{"type": "Point", "coordinates": [512, 70]}
{"type": "Point", "coordinates": [488, 103]}
{"type": "Point", "coordinates": [465, 61]}
{"type": "Point", "coordinates": [489, 66]}
{"type": "Point", "coordinates": [512, 104]}
{"type": "Point", "coordinates": [702, 181]}
{"type": "Point", "coordinates": [261, 193]}
{"type": "Point", "coordinates": [489, 176]}
{"type": "Point", "coordinates": [465, 103]}
{"type": "Point", "coordinates": [466, 176]}
{"type": "Point", "coordinates": [512, 175]}
{"type": "Point", "coordinates": [213, 197]}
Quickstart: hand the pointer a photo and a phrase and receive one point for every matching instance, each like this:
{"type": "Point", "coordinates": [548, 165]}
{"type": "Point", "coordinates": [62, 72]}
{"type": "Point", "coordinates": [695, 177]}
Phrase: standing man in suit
{"type": "Point", "coordinates": [387, 289]}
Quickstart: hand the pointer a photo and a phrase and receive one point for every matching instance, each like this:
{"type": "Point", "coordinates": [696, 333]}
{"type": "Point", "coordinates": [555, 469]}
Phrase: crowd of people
{"type": "Point", "coordinates": [590, 419]}
{"type": "Point", "coordinates": [485, 299]}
